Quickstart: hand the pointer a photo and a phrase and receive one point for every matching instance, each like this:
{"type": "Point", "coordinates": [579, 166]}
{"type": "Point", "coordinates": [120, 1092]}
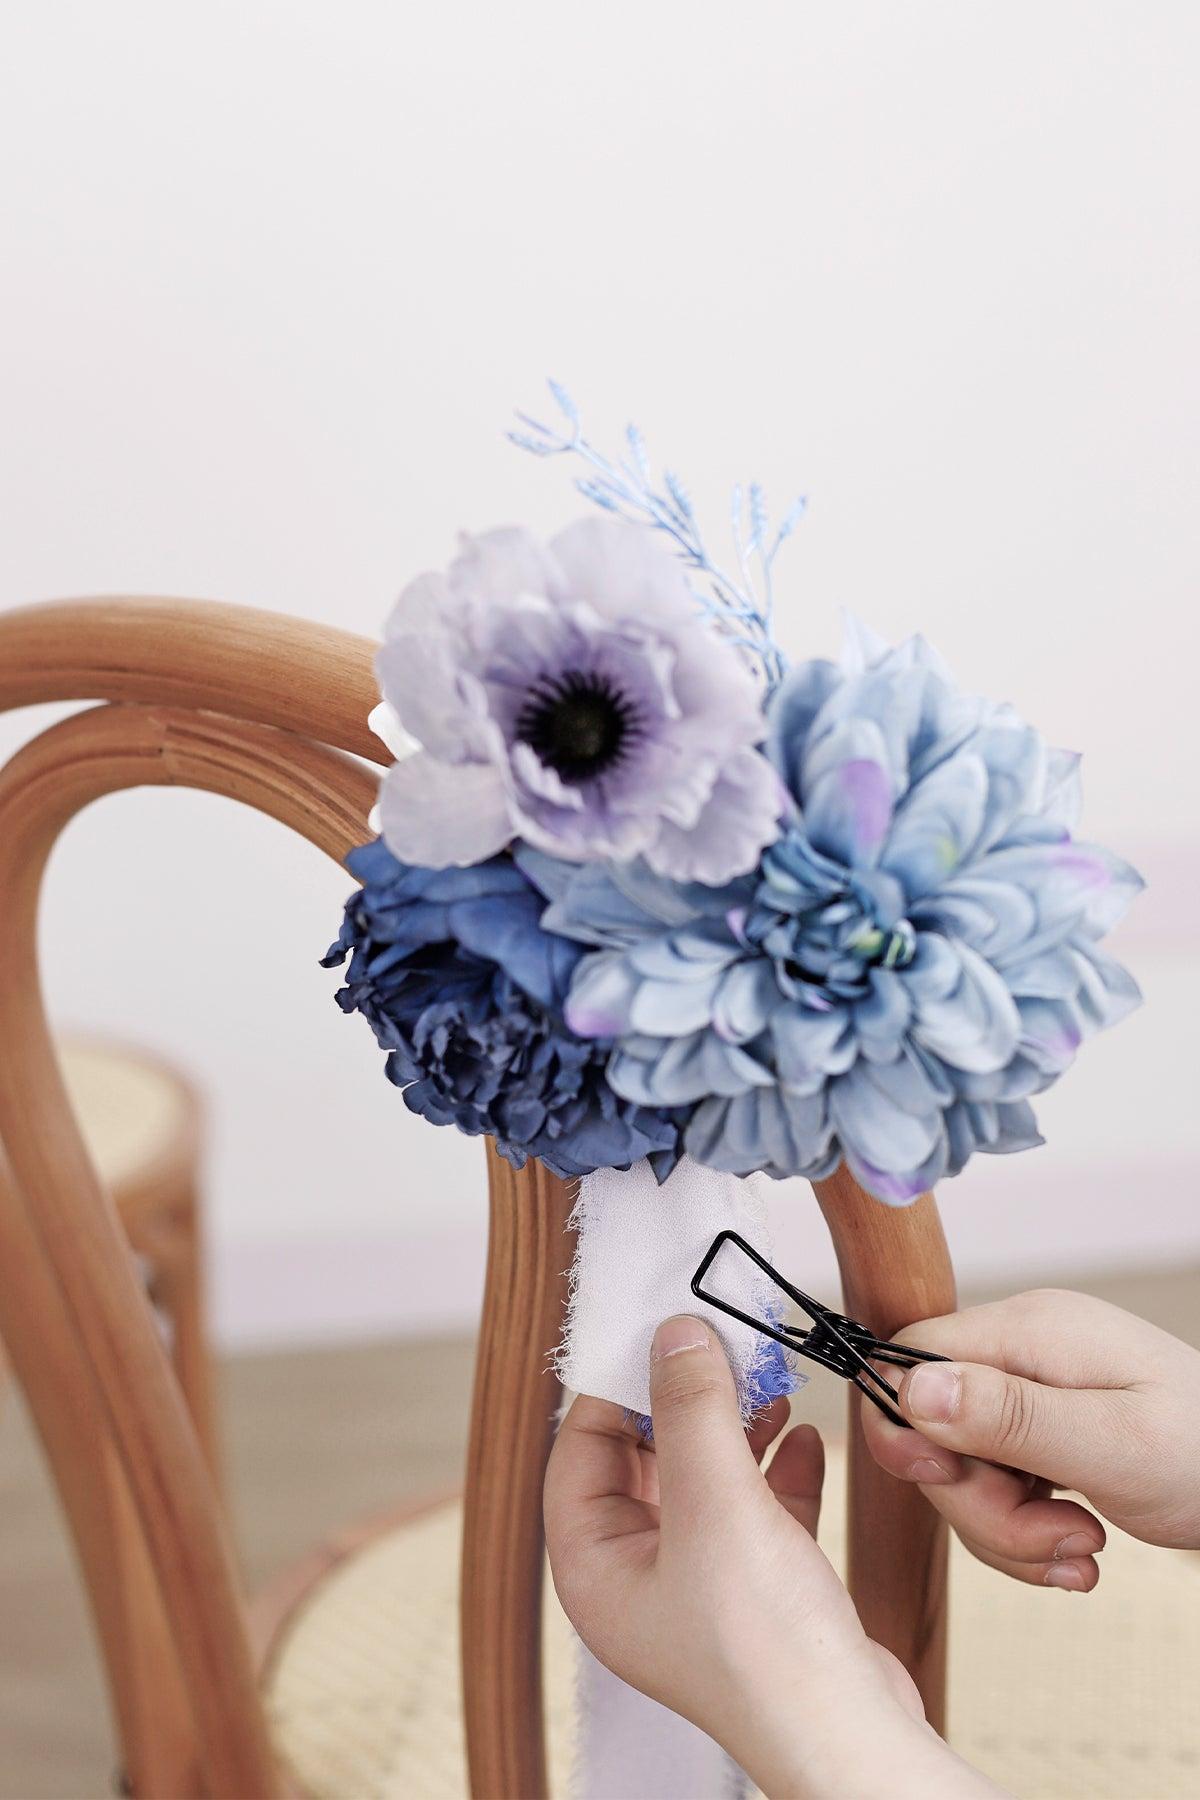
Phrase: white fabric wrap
{"type": "Point", "coordinates": [631, 1748]}
{"type": "Point", "coordinates": [638, 1247]}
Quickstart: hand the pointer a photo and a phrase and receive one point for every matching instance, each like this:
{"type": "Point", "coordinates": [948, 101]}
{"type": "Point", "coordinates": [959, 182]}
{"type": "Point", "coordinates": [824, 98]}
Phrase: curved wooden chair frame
{"type": "Point", "coordinates": [272, 712]}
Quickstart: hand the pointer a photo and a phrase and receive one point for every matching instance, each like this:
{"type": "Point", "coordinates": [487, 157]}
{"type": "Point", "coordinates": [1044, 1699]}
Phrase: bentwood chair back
{"type": "Point", "coordinates": [272, 712]}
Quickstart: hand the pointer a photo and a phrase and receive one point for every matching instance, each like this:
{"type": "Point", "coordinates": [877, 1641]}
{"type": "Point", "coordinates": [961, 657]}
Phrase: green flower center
{"type": "Point", "coordinates": [895, 949]}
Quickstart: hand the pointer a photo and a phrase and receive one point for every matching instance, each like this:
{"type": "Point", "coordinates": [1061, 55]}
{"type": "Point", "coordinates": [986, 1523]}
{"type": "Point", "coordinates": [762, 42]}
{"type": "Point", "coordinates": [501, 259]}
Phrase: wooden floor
{"type": "Point", "coordinates": [314, 1440]}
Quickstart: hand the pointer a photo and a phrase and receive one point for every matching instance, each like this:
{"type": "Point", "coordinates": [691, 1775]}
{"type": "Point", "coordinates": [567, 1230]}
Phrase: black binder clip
{"type": "Point", "coordinates": [834, 1341]}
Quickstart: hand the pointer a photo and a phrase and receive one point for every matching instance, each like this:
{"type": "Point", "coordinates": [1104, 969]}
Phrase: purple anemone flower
{"type": "Point", "coordinates": [571, 695]}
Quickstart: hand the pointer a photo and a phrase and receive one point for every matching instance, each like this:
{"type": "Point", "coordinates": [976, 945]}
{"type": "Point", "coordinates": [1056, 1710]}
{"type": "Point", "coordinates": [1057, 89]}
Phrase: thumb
{"type": "Point", "coordinates": [704, 1461]}
{"type": "Point", "coordinates": [1003, 1418]}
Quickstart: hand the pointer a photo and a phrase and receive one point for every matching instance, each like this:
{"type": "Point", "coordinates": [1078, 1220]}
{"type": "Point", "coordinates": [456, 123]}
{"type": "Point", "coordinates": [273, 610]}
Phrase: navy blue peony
{"type": "Point", "coordinates": [464, 989]}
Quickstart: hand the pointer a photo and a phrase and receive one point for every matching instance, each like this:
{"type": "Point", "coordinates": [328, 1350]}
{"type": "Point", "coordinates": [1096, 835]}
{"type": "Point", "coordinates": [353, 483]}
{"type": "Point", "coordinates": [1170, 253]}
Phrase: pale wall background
{"type": "Point", "coordinates": [274, 276]}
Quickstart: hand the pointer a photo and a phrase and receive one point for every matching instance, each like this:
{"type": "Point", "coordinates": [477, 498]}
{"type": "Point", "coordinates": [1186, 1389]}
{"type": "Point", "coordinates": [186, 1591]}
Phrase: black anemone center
{"type": "Point", "coordinates": [578, 723]}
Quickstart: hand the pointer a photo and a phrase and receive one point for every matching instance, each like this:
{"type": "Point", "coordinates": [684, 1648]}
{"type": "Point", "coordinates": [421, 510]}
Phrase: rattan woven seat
{"type": "Point", "coordinates": [1057, 1696]}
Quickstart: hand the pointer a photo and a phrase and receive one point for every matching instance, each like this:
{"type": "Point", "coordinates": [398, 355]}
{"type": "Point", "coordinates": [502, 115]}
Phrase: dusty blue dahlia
{"type": "Point", "coordinates": [916, 956]}
{"type": "Point", "coordinates": [464, 990]}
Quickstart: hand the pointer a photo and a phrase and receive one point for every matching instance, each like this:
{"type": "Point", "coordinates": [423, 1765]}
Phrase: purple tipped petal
{"type": "Point", "coordinates": [894, 1188]}
{"type": "Point", "coordinates": [849, 811]}
{"type": "Point", "coordinates": [600, 1001]}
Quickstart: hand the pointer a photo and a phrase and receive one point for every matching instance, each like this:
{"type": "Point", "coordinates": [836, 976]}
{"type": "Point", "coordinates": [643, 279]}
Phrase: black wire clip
{"type": "Point", "coordinates": [834, 1341]}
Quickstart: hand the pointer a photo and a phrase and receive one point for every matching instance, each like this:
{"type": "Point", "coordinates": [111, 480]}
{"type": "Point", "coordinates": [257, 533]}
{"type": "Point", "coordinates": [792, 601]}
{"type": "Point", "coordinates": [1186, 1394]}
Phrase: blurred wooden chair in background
{"type": "Point", "coordinates": [141, 1122]}
{"type": "Point", "coordinates": [273, 713]}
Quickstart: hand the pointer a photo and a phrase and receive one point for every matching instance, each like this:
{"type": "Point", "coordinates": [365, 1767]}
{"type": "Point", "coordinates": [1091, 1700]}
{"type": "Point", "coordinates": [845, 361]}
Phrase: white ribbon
{"type": "Point", "coordinates": [631, 1748]}
{"type": "Point", "coordinates": [638, 1247]}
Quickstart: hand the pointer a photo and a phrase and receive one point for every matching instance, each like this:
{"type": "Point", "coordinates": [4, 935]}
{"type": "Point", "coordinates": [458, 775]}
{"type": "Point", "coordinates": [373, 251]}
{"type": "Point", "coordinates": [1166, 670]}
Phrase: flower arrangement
{"type": "Point", "coordinates": [644, 891]}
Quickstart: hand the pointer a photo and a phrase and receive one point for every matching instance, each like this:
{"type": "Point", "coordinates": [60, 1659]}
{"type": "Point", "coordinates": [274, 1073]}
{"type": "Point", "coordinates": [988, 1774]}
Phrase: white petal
{"type": "Point", "coordinates": [1062, 801]}
{"type": "Point", "coordinates": [386, 725]}
{"type": "Point", "coordinates": [440, 815]}
{"type": "Point", "coordinates": [541, 781]}
{"type": "Point", "coordinates": [424, 606]}
{"type": "Point", "coordinates": [738, 821]}
{"type": "Point", "coordinates": [500, 566]}
{"type": "Point", "coordinates": [417, 676]}
{"type": "Point", "coordinates": [623, 570]}
{"type": "Point", "coordinates": [862, 648]}
{"type": "Point", "coordinates": [917, 653]}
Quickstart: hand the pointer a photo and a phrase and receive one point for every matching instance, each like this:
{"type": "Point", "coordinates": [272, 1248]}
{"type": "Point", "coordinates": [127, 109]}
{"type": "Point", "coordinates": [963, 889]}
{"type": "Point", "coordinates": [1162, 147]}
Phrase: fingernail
{"type": "Point", "coordinates": [926, 1470]}
{"type": "Point", "coordinates": [1080, 1543]}
{"type": "Point", "coordinates": [1065, 1575]}
{"type": "Point", "coordinates": [674, 1335]}
{"type": "Point", "coordinates": [932, 1393]}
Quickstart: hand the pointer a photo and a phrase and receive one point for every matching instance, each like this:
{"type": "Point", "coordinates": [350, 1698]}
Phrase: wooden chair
{"type": "Point", "coordinates": [272, 712]}
{"type": "Point", "coordinates": [141, 1122]}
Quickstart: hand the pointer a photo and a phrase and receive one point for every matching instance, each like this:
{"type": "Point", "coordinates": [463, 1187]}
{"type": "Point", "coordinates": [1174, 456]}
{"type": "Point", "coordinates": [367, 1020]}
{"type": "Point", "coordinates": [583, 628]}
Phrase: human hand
{"type": "Point", "coordinates": [1073, 1393]}
{"type": "Point", "coordinates": [697, 1579]}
